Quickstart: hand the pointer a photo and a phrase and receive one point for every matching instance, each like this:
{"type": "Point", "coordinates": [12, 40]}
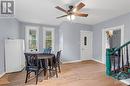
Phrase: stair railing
{"type": "Point", "coordinates": [117, 60]}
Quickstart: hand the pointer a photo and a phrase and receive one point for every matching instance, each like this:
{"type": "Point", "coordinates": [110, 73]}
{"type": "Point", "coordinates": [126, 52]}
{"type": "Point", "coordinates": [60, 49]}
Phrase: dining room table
{"type": "Point", "coordinates": [47, 58]}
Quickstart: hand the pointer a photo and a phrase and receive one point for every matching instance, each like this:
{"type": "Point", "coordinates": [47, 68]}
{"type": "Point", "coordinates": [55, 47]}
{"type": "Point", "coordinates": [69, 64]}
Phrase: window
{"type": "Point", "coordinates": [31, 39]}
{"type": "Point", "coordinates": [48, 37]}
{"type": "Point", "coordinates": [85, 40]}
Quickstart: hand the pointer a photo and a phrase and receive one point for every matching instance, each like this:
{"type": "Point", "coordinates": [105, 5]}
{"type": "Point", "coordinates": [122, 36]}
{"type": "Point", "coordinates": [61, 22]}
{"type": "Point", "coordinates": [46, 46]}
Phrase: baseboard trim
{"type": "Point", "coordinates": [126, 81]}
{"type": "Point", "coordinates": [97, 60]}
{"type": "Point", "coordinates": [72, 61]}
{"type": "Point", "coordinates": [2, 75]}
{"type": "Point", "coordinates": [82, 60]}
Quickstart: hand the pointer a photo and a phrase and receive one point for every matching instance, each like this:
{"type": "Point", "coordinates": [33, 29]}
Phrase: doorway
{"type": "Point", "coordinates": [116, 40]}
{"type": "Point", "coordinates": [86, 45]}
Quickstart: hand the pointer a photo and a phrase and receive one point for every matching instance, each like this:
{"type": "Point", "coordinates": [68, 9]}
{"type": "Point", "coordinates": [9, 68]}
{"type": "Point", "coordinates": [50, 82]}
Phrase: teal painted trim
{"type": "Point", "coordinates": [108, 62]}
{"type": "Point", "coordinates": [128, 70]}
{"type": "Point", "coordinates": [127, 43]}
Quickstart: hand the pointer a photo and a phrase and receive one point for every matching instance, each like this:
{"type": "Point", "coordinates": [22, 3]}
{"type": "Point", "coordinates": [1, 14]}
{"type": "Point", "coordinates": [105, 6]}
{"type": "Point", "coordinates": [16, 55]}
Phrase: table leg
{"type": "Point", "coordinates": [41, 64]}
{"type": "Point", "coordinates": [46, 69]}
{"type": "Point", "coordinates": [51, 68]}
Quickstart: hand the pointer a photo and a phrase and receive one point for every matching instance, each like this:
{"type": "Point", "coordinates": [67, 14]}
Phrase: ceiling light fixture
{"type": "Point", "coordinates": [71, 17]}
{"type": "Point", "coordinates": [74, 10]}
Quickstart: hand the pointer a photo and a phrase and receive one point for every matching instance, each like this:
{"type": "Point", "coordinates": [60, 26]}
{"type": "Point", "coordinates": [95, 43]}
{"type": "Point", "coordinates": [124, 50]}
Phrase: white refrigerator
{"type": "Point", "coordinates": [14, 55]}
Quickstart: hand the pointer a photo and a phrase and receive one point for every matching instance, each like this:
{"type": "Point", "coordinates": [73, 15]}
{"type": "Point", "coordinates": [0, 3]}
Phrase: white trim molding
{"type": "Point", "coordinates": [126, 81]}
{"type": "Point", "coordinates": [121, 27]}
{"type": "Point", "coordinates": [72, 61]}
{"type": "Point", "coordinates": [2, 74]}
{"type": "Point", "coordinates": [53, 36]}
{"type": "Point", "coordinates": [97, 60]}
{"type": "Point", "coordinates": [27, 29]}
{"type": "Point", "coordinates": [93, 59]}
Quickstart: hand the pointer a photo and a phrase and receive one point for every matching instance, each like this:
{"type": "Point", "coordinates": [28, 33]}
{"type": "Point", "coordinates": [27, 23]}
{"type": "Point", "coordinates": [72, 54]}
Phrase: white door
{"type": "Point", "coordinates": [86, 45]}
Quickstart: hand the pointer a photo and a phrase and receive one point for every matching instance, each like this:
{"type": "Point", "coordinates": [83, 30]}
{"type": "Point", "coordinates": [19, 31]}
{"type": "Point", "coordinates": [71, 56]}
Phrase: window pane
{"type": "Point", "coordinates": [48, 43]}
{"type": "Point", "coordinates": [48, 35]}
{"type": "Point", "coordinates": [32, 39]}
{"type": "Point", "coordinates": [48, 39]}
{"type": "Point", "coordinates": [85, 40]}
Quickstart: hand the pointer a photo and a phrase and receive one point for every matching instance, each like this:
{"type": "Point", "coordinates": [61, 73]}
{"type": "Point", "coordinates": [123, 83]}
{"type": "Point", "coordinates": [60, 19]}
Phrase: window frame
{"type": "Point", "coordinates": [53, 36]}
{"type": "Point", "coordinates": [27, 29]}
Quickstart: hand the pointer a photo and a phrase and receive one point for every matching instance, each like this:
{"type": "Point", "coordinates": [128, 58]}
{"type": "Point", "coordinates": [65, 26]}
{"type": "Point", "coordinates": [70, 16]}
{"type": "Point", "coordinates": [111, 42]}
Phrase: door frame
{"type": "Point", "coordinates": [104, 39]}
{"type": "Point", "coordinates": [91, 46]}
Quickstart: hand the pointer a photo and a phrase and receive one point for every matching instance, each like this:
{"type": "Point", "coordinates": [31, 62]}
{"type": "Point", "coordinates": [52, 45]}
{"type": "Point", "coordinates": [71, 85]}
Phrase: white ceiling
{"type": "Point", "coordinates": [44, 12]}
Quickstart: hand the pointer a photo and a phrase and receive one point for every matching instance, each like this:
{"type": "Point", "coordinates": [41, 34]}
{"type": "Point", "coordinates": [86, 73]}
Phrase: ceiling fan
{"type": "Point", "coordinates": [73, 11]}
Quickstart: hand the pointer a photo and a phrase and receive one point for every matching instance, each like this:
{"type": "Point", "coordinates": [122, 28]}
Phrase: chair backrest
{"type": "Point", "coordinates": [31, 59]}
{"type": "Point", "coordinates": [47, 50]}
{"type": "Point", "coordinates": [58, 55]}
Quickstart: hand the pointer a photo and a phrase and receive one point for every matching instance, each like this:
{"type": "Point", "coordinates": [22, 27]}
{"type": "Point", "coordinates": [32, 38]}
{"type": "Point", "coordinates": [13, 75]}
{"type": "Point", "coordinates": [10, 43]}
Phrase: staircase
{"type": "Point", "coordinates": [118, 62]}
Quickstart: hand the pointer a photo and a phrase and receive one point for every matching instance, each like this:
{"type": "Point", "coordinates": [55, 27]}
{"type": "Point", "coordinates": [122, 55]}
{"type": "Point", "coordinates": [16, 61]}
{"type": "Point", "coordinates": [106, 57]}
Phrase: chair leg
{"type": "Point", "coordinates": [51, 67]}
{"type": "Point", "coordinates": [26, 77]}
{"type": "Point", "coordinates": [45, 71]}
{"type": "Point", "coordinates": [36, 77]}
{"type": "Point", "coordinates": [59, 68]}
{"type": "Point", "coordinates": [50, 71]}
{"type": "Point", "coordinates": [56, 71]}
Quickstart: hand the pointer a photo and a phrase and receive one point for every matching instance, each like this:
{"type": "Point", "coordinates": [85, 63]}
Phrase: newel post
{"type": "Point", "coordinates": [108, 62]}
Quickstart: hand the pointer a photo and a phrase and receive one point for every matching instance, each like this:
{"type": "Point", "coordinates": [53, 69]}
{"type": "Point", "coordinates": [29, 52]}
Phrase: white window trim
{"type": "Point", "coordinates": [53, 36]}
{"type": "Point", "coordinates": [27, 28]}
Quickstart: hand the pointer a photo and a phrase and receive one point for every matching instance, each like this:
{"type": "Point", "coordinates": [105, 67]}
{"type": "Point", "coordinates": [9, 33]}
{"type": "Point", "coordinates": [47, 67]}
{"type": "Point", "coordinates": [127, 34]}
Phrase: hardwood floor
{"type": "Point", "coordinates": [87, 73]}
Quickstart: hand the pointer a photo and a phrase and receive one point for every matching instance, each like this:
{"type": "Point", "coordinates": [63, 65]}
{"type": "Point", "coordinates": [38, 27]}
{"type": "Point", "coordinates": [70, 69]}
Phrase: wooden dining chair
{"type": "Point", "coordinates": [32, 65]}
{"type": "Point", "coordinates": [52, 66]}
{"type": "Point", "coordinates": [58, 60]}
{"type": "Point", "coordinates": [48, 65]}
{"type": "Point", "coordinates": [47, 50]}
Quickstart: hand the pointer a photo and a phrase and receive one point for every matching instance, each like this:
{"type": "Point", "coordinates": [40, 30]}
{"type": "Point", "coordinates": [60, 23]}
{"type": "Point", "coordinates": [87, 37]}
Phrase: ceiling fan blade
{"type": "Point", "coordinates": [61, 9]}
{"type": "Point", "coordinates": [79, 6]}
{"type": "Point", "coordinates": [61, 16]}
{"type": "Point", "coordinates": [81, 14]}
